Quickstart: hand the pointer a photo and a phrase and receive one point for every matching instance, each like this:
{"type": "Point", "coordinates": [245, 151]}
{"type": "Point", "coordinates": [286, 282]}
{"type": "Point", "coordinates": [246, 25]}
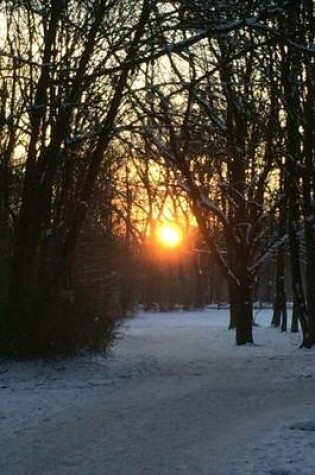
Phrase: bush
{"type": "Point", "coordinates": [47, 327]}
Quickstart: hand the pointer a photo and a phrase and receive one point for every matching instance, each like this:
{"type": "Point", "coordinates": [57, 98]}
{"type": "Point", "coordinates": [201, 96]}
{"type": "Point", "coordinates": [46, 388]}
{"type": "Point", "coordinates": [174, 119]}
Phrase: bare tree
{"type": "Point", "coordinates": [298, 99]}
{"type": "Point", "coordinates": [212, 120]}
{"type": "Point", "coordinates": [72, 66]}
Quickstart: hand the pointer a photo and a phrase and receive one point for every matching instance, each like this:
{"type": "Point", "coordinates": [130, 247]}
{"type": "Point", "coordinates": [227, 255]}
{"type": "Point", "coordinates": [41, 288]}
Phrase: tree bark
{"type": "Point", "coordinates": [294, 320]}
{"type": "Point", "coordinates": [243, 310]}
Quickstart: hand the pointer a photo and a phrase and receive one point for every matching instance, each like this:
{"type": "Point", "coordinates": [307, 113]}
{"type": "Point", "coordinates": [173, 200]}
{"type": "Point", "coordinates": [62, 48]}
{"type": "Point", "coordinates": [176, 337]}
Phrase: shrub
{"type": "Point", "coordinates": [48, 327]}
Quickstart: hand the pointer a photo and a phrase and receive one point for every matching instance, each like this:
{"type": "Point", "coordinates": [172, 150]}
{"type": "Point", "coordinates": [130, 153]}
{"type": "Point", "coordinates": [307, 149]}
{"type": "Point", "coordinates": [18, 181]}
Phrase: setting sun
{"type": "Point", "coordinates": [170, 235]}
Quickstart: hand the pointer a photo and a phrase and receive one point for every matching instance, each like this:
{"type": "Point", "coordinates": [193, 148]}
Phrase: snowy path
{"type": "Point", "coordinates": [174, 397]}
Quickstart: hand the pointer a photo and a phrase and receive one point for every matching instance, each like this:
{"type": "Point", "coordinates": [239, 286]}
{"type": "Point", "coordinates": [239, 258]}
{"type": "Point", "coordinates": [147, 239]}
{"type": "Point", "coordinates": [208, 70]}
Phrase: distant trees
{"type": "Point", "coordinates": [94, 92]}
{"type": "Point", "coordinates": [214, 119]}
{"type": "Point", "coordinates": [230, 116]}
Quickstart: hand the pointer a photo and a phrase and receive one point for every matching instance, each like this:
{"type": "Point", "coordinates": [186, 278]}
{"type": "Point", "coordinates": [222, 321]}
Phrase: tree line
{"type": "Point", "coordinates": [219, 96]}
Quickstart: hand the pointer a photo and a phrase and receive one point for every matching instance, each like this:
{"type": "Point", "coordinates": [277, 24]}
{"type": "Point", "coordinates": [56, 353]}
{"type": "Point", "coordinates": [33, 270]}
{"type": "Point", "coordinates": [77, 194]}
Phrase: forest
{"type": "Point", "coordinates": [121, 117]}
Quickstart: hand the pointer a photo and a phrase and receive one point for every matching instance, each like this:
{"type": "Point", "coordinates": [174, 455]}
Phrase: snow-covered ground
{"type": "Point", "coordinates": [174, 396]}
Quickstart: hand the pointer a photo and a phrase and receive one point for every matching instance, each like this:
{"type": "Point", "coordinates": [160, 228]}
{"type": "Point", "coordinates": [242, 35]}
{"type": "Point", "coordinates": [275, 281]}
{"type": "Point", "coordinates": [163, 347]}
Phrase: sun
{"type": "Point", "coordinates": [170, 235]}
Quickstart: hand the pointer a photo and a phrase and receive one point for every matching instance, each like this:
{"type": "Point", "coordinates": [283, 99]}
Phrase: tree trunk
{"type": "Point", "coordinates": [279, 309]}
{"type": "Point", "coordinates": [280, 293]}
{"type": "Point", "coordinates": [294, 320]}
{"type": "Point", "coordinates": [243, 309]}
{"type": "Point", "coordinates": [233, 305]}
{"type": "Point", "coordinates": [291, 72]}
{"type": "Point", "coordinates": [308, 185]}
{"type": "Point", "coordinates": [310, 279]}
{"type": "Point", "coordinates": [297, 287]}
{"type": "Point", "coordinates": [284, 324]}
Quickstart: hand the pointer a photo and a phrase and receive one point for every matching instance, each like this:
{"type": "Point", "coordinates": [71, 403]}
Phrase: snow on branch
{"type": "Point", "coordinates": [211, 206]}
{"type": "Point", "coordinates": [269, 252]}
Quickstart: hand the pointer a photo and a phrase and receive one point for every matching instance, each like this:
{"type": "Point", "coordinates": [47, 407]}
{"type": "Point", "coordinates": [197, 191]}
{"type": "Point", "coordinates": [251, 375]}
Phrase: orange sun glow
{"type": "Point", "coordinates": [170, 235]}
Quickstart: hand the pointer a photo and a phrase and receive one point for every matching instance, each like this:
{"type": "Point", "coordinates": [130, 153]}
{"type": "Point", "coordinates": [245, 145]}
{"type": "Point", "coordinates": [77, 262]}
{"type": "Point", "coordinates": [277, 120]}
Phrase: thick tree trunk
{"type": "Point", "coordinates": [243, 310]}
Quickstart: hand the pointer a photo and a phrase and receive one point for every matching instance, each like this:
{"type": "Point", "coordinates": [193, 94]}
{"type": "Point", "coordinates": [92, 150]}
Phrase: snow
{"type": "Point", "coordinates": [174, 396]}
